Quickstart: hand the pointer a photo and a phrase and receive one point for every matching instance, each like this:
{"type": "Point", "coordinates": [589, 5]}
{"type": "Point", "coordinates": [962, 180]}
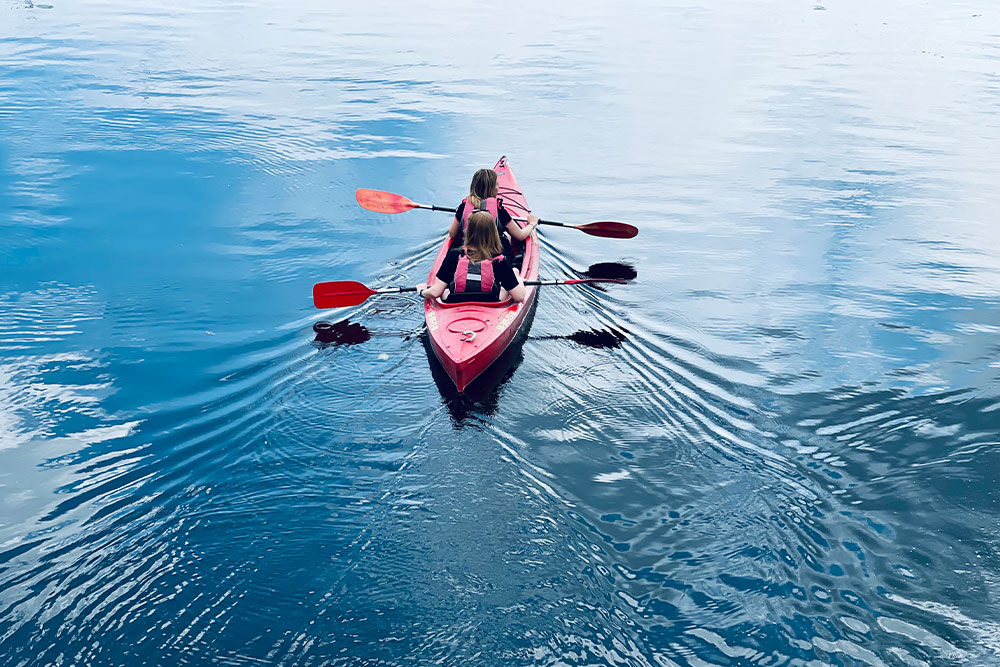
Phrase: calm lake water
{"type": "Point", "coordinates": [777, 446]}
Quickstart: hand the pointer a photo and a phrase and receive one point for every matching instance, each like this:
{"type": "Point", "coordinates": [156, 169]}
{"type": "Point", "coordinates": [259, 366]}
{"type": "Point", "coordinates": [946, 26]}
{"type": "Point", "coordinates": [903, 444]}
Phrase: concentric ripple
{"type": "Point", "coordinates": [777, 445]}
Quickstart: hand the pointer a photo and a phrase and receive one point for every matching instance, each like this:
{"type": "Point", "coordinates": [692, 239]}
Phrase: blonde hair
{"type": "Point", "coordinates": [484, 185]}
{"type": "Point", "coordinates": [482, 240]}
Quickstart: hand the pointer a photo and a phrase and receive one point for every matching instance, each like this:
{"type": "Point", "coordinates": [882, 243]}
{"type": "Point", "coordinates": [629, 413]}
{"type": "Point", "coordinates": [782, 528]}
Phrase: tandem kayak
{"type": "Point", "coordinates": [468, 337]}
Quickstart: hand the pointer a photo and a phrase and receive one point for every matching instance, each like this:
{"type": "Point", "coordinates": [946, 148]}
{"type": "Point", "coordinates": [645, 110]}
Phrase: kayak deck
{"type": "Point", "coordinates": [468, 337]}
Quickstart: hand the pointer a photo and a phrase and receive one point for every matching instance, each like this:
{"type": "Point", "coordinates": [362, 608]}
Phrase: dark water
{"type": "Point", "coordinates": [777, 446]}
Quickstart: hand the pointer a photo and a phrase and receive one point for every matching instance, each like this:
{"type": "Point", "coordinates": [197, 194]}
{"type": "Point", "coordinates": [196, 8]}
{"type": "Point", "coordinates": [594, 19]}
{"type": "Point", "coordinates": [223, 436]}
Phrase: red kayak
{"type": "Point", "coordinates": [468, 337]}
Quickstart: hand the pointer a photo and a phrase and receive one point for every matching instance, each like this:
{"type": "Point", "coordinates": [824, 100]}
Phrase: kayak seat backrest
{"type": "Point", "coordinates": [466, 297]}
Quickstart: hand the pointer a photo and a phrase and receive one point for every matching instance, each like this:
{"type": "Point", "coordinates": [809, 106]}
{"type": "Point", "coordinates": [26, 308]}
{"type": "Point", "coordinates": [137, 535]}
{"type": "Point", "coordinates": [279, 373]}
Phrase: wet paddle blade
{"type": "Point", "coordinates": [383, 202]}
{"type": "Point", "coordinates": [609, 229]}
{"type": "Point", "coordinates": [340, 293]}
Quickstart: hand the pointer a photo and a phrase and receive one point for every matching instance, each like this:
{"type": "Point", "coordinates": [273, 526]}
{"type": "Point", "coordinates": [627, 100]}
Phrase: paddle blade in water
{"type": "Point", "coordinates": [340, 293]}
{"type": "Point", "coordinates": [609, 229]}
{"type": "Point", "coordinates": [383, 202]}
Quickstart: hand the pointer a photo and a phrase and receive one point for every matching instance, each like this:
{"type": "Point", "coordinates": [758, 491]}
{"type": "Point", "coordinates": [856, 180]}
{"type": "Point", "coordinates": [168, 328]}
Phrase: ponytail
{"type": "Point", "coordinates": [483, 186]}
{"type": "Point", "coordinates": [482, 240]}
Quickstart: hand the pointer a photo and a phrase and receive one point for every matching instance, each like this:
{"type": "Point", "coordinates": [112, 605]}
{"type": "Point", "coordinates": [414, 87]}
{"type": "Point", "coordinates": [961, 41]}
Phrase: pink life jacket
{"type": "Point", "coordinates": [491, 205]}
{"type": "Point", "coordinates": [464, 275]}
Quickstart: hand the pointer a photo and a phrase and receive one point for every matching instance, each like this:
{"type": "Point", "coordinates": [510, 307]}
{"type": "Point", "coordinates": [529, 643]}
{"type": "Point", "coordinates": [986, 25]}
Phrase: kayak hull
{"type": "Point", "coordinates": [468, 337]}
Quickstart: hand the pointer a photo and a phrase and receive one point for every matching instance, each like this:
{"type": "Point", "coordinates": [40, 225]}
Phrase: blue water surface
{"type": "Point", "coordinates": [777, 446]}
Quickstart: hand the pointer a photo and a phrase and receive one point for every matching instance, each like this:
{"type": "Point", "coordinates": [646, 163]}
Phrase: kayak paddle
{"type": "Point", "coordinates": [340, 293]}
{"type": "Point", "coordinates": [387, 202]}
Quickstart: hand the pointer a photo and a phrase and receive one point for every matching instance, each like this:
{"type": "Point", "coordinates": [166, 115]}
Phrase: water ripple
{"type": "Point", "coordinates": [777, 445]}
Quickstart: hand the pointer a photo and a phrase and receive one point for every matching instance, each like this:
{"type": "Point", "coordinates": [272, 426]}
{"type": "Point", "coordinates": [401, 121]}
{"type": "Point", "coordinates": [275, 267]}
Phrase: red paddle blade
{"type": "Point", "coordinates": [339, 293]}
{"type": "Point", "coordinates": [609, 229]}
{"type": "Point", "coordinates": [383, 202]}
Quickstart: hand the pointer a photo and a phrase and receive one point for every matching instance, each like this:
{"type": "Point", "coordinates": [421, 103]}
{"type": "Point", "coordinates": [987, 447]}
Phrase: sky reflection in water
{"type": "Point", "coordinates": [777, 445]}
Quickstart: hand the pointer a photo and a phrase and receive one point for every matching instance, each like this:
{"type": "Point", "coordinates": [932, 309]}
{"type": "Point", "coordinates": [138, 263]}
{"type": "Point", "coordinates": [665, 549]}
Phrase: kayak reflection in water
{"type": "Point", "coordinates": [479, 271]}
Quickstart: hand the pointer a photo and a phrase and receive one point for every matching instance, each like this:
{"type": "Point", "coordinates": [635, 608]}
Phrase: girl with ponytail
{"type": "Point", "coordinates": [479, 271]}
{"type": "Point", "coordinates": [483, 196]}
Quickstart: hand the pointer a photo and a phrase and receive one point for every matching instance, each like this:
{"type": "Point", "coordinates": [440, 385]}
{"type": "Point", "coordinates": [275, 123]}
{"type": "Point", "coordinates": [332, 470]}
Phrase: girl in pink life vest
{"type": "Point", "coordinates": [483, 197]}
{"type": "Point", "coordinates": [479, 270]}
